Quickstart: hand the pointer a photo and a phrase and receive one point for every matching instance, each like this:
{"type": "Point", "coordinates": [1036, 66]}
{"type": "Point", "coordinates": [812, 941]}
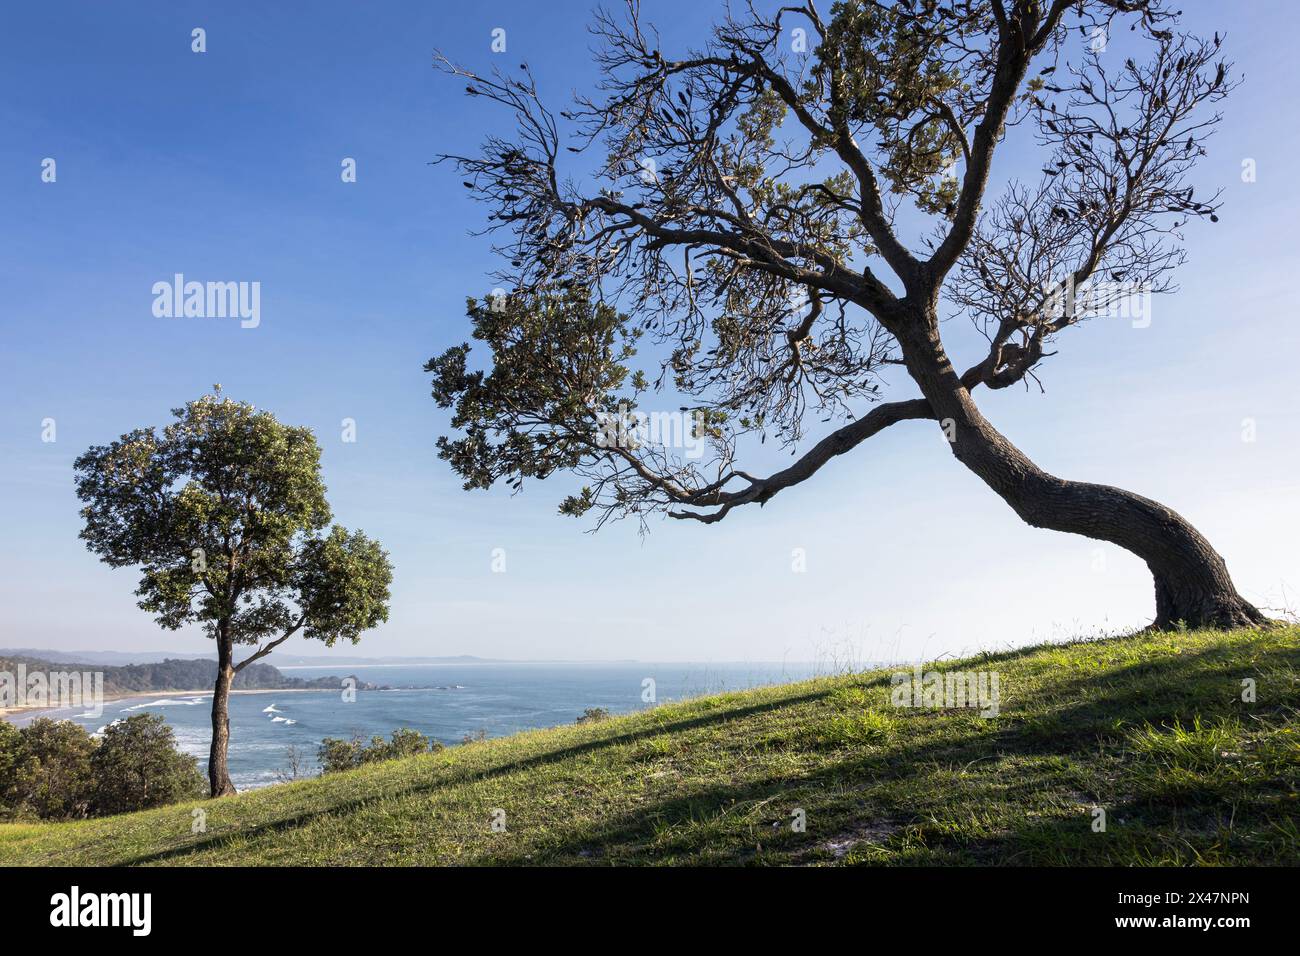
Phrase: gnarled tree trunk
{"type": "Point", "coordinates": [1192, 584]}
{"type": "Point", "coordinates": [218, 769]}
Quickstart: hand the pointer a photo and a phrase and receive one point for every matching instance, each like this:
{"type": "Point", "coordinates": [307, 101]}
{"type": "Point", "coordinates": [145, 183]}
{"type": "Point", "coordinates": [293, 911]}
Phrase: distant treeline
{"type": "Point", "coordinates": [178, 675]}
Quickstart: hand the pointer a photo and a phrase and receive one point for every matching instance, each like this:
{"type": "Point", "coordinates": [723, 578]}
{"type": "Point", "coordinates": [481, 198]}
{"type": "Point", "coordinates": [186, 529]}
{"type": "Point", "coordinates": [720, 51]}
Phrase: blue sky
{"type": "Point", "coordinates": [225, 165]}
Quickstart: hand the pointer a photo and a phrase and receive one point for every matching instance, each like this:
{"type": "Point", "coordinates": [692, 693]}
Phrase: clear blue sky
{"type": "Point", "coordinates": [226, 165]}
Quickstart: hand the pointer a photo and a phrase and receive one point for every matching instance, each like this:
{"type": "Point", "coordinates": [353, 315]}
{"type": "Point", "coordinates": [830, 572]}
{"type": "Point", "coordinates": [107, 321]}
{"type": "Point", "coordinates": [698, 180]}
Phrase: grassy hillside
{"type": "Point", "coordinates": [1150, 728]}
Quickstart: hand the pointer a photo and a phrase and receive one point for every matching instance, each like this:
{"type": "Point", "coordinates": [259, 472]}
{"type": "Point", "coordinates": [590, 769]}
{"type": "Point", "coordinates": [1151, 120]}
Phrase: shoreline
{"type": "Point", "coordinates": [110, 698]}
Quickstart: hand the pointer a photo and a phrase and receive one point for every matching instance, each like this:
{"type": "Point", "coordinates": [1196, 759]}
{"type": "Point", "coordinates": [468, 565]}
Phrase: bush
{"type": "Point", "coordinates": [49, 770]}
{"type": "Point", "coordinates": [405, 743]}
{"type": "Point", "coordinates": [14, 766]}
{"type": "Point", "coordinates": [337, 755]}
{"type": "Point", "coordinates": [593, 715]}
{"type": "Point", "coordinates": [137, 766]}
{"type": "Point", "coordinates": [54, 769]}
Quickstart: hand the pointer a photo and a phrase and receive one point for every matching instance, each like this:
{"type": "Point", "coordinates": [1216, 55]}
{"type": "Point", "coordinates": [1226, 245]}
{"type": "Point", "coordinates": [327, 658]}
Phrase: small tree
{"type": "Point", "coordinates": [788, 211]}
{"type": "Point", "coordinates": [295, 762]}
{"type": "Point", "coordinates": [137, 766]}
{"type": "Point", "coordinates": [225, 512]}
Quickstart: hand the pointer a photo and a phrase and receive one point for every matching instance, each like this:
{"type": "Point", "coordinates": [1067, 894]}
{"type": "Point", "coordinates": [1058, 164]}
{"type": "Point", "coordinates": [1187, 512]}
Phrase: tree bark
{"type": "Point", "coordinates": [218, 769]}
{"type": "Point", "coordinates": [1192, 585]}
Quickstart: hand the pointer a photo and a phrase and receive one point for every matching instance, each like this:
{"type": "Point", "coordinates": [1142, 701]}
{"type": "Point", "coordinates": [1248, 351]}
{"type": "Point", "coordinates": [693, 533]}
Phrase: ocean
{"type": "Point", "coordinates": [445, 701]}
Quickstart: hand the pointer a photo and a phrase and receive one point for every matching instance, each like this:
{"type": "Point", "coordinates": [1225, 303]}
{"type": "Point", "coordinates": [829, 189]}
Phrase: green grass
{"type": "Point", "coordinates": [1151, 729]}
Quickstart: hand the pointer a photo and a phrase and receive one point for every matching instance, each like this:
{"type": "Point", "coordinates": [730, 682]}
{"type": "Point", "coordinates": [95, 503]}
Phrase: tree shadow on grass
{"type": "Point", "coordinates": [1149, 831]}
{"type": "Point", "coordinates": [838, 798]}
{"type": "Point", "coordinates": [1203, 683]}
{"type": "Point", "coordinates": [1125, 691]}
{"type": "Point", "coordinates": [457, 779]}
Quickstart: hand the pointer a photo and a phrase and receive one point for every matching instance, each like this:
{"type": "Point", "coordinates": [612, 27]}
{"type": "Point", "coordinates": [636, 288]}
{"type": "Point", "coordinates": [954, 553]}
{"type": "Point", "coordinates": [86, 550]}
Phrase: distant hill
{"type": "Point", "coordinates": [1152, 729]}
{"type": "Point", "coordinates": [100, 657]}
{"type": "Point", "coordinates": [175, 674]}
{"type": "Point", "coordinates": [281, 659]}
{"type": "Point", "coordinates": [123, 658]}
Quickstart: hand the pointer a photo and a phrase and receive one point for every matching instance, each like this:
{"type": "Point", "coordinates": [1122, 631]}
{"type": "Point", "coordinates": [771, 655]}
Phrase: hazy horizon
{"type": "Point", "coordinates": [356, 659]}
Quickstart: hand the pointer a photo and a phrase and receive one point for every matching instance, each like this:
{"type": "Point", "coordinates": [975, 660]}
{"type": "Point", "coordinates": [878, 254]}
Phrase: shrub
{"type": "Point", "coordinates": [13, 768]}
{"type": "Point", "coordinates": [593, 715]}
{"type": "Point", "coordinates": [52, 777]}
{"type": "Point", "coordinates": [137, 766]}
{"type": "Point", "coordinates": [54, 769]}
{"type": "Point", "coordinates": [337, 755]}
{"type": "Point", "coordinates": [405, 743]}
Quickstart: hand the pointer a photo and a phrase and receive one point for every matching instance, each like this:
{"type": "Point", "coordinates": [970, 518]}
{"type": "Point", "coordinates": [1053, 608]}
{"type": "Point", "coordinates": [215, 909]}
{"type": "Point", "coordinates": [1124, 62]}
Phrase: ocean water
{"type": "Point", "coordinates": [445, 702]}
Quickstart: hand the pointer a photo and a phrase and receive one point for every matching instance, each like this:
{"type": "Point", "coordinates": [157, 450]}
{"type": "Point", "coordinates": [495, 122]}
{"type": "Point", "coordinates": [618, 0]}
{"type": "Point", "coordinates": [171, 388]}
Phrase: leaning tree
{"type": "Point", "coordinates": [224, 512]}
{"type": "Point", "coordinates": [787, 212]}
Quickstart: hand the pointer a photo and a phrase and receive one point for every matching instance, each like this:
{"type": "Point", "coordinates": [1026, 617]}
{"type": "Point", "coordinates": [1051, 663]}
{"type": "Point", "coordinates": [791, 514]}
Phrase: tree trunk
{"type": "Point", "coordinates": [218, 770]}
{"type": "Point", "coordinates": [1192, 585]}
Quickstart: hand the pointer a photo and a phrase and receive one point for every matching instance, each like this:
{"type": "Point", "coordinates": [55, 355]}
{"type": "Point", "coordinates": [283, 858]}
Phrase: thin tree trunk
{"type": "Point", "coordinates": [1192, 585]}
{"type": "Point", "coordinates": [218, 769]}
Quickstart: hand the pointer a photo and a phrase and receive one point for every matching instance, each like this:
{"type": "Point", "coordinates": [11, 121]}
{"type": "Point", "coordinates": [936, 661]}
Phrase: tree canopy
{"type": "Point", "coordinates": [766, 213]}
{"type": "Point", "coordinates": [224, 511]}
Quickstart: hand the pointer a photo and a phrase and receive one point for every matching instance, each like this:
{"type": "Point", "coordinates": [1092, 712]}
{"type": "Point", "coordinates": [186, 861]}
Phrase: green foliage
{"type": "Point", "coordinates": [224, 510]}
{"type": "Point", "coordinates": [50, 771]}
{"type": "Point", "coordinates": [137, 766]}
{"type": "Point", "coordinates": [593, 715]}
{"type": "Point", "coordinates": [342, 584]}
{"type": "Point", "coordinates": [884, 69]}
{"type": "Point", "coordinates": [558, 360]}
{"type": "Point", "coordinates": [338, 755]}
{"type": "Point", "coordinates": [13, 768]}
{"type": "Point", "coordinates": [54, 769]}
